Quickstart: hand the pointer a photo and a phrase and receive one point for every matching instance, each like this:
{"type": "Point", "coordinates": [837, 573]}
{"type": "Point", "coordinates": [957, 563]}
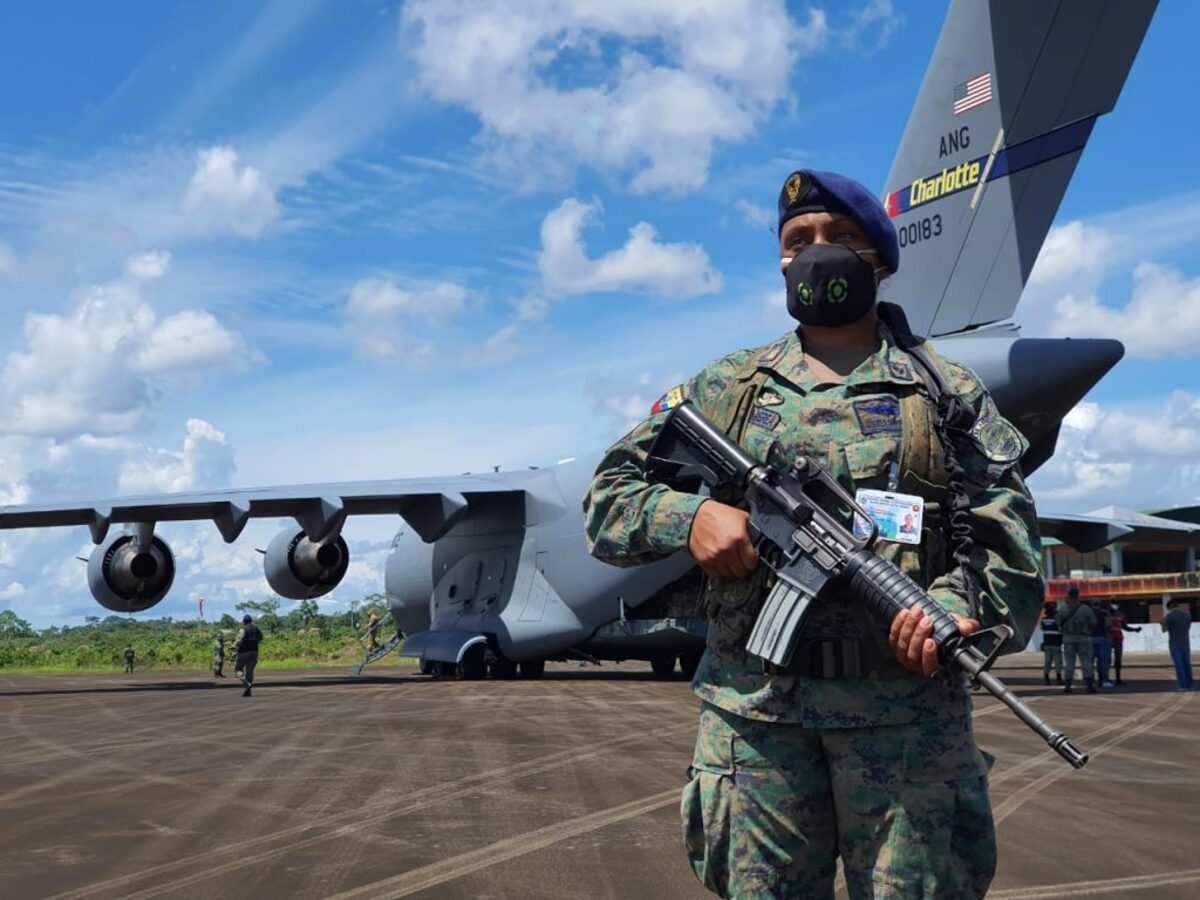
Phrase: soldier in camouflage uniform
{"type": "Point", "coordinates": [853, 750]}
{"type": "Point", "coordinates": [245, 650]}
{"type": "Point", "coordinates": [1076, 622]}
{"type": "Point", "coordinates": [219, 656]}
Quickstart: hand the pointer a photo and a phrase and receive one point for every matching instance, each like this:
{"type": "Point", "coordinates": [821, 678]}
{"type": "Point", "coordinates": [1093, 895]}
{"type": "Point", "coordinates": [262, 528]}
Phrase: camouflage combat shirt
{"type": "Point", "coordinates": [854, 429]}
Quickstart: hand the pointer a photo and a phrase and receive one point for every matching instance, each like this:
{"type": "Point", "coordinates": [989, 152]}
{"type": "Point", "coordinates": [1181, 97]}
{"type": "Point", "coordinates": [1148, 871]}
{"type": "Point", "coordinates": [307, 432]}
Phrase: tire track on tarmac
{"type": "Point", "coordinates": [1014, 802]}
{"type": "Point", "coordinates": [1095, 888]}
{"type": "Point", "coordinates": [349, 822]}
{"type": "Point", "coordinates": [425, 877]}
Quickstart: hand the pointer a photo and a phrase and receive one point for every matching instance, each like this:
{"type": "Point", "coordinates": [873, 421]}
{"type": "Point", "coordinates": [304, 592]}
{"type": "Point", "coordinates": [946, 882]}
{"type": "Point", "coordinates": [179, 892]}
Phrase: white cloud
{"type": "Point", "coordinates": [8, 259]}
{"type": "Point", "coordinates": [756, 215]}
{"type": "Point", "coordinates": [643, 264]}
{"type": "Point", "coordinates": [1161, 318]}
{"type": "Point", "coordinates": [105, 365]}
{"type": "Point", "coordinates": [148, 266]}
{"type": "Point", "coordinates": [206, 461]}
{"type": "Point", "coordinates": [649, 86]}
{"type": "Point", "coordinates": [1074, 251]}
{"type": "Point", "coordinates": [223, 197]}
{"type": "Point", "coordinates": [386, 321]}
{"type": "Point", "coordinates": [1145, 455]}
{"type": "Point", "coordinates": [12, 591]}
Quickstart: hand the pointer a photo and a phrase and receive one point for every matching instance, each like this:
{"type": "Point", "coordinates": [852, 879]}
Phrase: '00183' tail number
{"type": "Point", "coordinates": [920, 230]}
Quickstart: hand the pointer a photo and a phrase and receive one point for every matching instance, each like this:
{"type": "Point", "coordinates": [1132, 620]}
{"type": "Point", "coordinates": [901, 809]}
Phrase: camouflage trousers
{"type": "Point", "coordinates": [1077, 648]}
{"type": "Point", "coordinates": [770, 807]}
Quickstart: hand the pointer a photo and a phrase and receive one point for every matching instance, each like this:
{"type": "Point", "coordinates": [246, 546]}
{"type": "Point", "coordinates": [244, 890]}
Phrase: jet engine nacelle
{"type": "Point", "coordinates": [127, 574]}
{"type": "Point", "coordinates": [300, 569]}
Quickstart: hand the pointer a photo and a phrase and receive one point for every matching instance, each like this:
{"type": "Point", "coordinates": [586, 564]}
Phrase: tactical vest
{"type": "Point", "coordinates": [922, 470]}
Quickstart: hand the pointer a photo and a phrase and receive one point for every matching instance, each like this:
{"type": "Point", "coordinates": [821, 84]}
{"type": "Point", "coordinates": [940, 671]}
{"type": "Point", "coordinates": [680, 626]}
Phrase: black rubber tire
{"type": "Point", "coordinates": [445, 669]}
{"type": "Point", "coordinates": [663, 666]}
{"type": "Point", "coordinates": [533, 668]}
{"type": "Point", "coordinates": [428, 667]}
{"type": "Point", "coordinates": [473, 665]}
{"type": "Point", "coordinates": [689, 662]}
{"type": "Point", "coordinates": [504, 669]}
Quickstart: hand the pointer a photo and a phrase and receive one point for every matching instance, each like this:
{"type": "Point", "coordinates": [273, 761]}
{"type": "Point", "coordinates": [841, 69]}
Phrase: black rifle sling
{"type": "Point", "coordinates": [955, 418]}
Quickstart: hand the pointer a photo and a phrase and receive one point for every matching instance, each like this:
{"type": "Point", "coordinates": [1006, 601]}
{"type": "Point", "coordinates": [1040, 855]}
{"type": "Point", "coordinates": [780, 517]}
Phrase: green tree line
{"type": "Point", "coordinates": [301, 636]}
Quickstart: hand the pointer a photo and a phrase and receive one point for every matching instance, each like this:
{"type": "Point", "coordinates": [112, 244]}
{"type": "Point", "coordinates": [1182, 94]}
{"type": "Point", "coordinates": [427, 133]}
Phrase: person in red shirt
{"type": "Point", "coordinates": [1116, 628]}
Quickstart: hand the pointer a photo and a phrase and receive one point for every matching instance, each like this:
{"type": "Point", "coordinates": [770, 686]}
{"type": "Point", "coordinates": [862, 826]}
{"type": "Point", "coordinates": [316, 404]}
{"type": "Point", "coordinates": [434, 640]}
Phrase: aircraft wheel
{"type": "Point", "coordinates": [663, 666]}
{"type": "Point", "coordinates": [689, 662]}
{"type": "Point", "coordinates": [474, 663]}
{"type": "Point", "coordinates": [533, 668]}
{"type": "Point", "coordinates": [428, 667]}
{"type": "Point", "coordinates": [504, 669]}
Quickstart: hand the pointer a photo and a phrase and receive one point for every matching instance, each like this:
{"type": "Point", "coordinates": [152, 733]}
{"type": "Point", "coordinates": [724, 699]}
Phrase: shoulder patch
{"type": "Point", "coordinates": [996, 436]}
{"type": "Point", "coordinates": [878, 415]}
{"type": "Point", "coordinates": [900, 370]}
{"type": "Point", "coordinates": [669, 400]}
{"type": "Point", "coordinates": [765, 418]}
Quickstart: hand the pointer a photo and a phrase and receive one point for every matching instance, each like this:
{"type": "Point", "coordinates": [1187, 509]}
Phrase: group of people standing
{"type": "Point", "coordinates": [1094, 636]}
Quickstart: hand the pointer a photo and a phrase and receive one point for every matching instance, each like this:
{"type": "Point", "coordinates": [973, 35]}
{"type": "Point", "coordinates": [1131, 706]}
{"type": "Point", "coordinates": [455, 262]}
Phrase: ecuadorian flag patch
{"type": "Point", "coordinates": [669, 400]}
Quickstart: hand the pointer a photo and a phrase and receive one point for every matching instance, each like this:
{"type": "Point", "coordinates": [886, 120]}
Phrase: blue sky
{"type": "Point", "coordinates": [246, 244]}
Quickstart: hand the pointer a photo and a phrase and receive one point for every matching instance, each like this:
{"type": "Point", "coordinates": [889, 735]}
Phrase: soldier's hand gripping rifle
{"type": "Point", "coordinates": [802, 513]}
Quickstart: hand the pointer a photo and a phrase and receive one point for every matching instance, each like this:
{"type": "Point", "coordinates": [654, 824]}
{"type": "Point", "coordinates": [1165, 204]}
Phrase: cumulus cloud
{"type": "Point", "coordinates": [1074, 251]}
{"type": "Point", "coordinates": [1145, 455]}
{"type": "Point", "coordinates": [148, 266]}
{"type": "Point", "coordinates": [648, 87]}
{"type": "Point", "coordinates": [1160, 319]}
{"type": "Point", "coordinates": [206, 461]}
{"type": "Point", "coordinates": [107, 363]}
{"type": "Point", "coordinates": [225, 197]}
{"type": "Point", "coordinates": [643, 264]}
{"type": "Point", "coordinates": [386, 321]}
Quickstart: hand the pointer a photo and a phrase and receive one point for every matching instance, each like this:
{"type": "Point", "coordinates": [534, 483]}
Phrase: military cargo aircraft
{"type": "Point", "coordinates": [490, 573]}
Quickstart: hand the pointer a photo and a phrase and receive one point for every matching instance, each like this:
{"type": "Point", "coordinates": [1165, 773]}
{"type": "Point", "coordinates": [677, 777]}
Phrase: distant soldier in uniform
{"type": "Point", "coordinates": [1052, 654]}
{"type": "Point", "coordinates": [245, 649]}
{"type": "Point", "coordinates": [372, 630]}
{"type": "Point", "coordinates": [1177, 623]}
{"type": "Point", "coordinates": [219, 656]}
{"type": "Point", "coordinates": [129, 658]}
{"type": "Point", "coordinates": [1076, 622]}
{"type": "Point", "coordinates": [1117, 626]}
{"type": "Point", "coordinates": [852, 750]}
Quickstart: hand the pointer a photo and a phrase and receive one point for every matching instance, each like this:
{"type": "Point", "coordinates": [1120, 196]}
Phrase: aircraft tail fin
{"type": "Point", "coordinates": [1007, 104]}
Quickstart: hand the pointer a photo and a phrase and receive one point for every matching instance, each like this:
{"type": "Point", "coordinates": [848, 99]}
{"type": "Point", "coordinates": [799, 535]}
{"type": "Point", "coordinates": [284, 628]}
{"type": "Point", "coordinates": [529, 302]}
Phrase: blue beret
{"type": "Point", "coordinates": [809, 191]}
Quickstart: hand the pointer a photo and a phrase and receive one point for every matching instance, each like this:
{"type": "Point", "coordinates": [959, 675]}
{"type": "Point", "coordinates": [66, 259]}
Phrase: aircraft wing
{"type": "Point", "coordinates": [430, 506]}
{"type": "Point", "coordinates": [1007, 104]}
{"type": "Point", "coordinates": [1083, 533]}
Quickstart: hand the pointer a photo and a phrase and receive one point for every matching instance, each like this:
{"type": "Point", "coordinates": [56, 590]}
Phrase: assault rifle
{"type": "Point", "coordinates": [801, 513]}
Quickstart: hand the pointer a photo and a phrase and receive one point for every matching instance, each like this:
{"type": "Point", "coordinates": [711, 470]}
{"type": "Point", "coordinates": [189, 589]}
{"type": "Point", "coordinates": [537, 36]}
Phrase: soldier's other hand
{"type": "Point", "coordinates": [912, 642]}
{"type": "Point", "coordinates": [720, 543]}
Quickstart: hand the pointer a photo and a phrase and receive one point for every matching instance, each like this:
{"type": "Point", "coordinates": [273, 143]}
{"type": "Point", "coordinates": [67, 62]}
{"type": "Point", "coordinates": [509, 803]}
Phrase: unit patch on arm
{"type": "Point", "coordinates": [879, 415]}
{"type": "Point", "coordinates": [669, 400]}
{"type": "Point", "coordinates": [996, 436]}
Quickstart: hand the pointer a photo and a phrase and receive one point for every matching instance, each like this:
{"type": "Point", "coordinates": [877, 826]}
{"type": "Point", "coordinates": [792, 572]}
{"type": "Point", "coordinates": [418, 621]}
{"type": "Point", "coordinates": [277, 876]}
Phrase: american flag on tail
{"type": "Point", "coordinates": [972, 93]}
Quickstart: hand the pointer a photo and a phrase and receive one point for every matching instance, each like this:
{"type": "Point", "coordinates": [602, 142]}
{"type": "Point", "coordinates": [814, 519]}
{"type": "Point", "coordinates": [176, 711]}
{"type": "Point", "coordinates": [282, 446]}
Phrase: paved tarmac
{"type": "Point", "coordinates": [168, 785]}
